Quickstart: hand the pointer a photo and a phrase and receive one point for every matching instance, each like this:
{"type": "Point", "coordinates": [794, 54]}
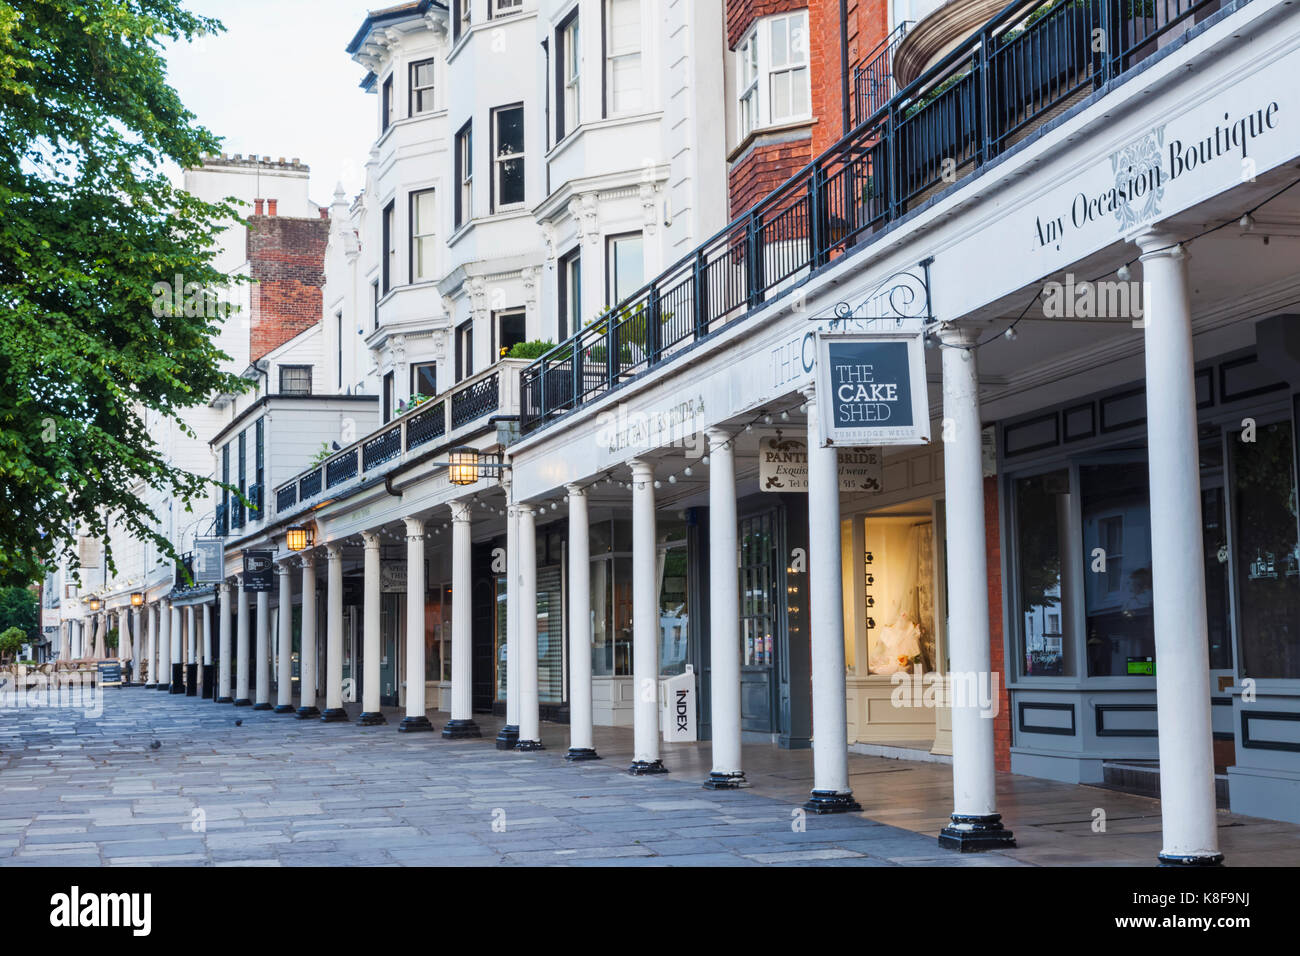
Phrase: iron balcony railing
{"type": "Point", "coordinates": [493, 391]}
{"type": "Point", "coordinates": [872, 78]}
{"type": "Point", "coordinates": [1026, 65]}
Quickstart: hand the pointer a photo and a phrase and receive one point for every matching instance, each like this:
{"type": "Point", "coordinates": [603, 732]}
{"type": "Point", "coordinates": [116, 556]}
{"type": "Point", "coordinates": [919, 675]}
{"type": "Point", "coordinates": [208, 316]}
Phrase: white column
{"type": "Point", "coordinates": [416, 719]}
{"type": "Point", "coordinates": [241, 646]}
{"type": "Point", "coordinates": [724, 615]}
{"type": "Point", "coordinates": [307, 671]}
{"type": "Point", "coordinates": [370, 712]}
{"type": "Point", "coordinates": [530, 734]}
{"type": "Point", "coordinates": [284, 674]}
{"type": "Point", "coordinates": [976, 824]}
{"type": "Point", "coordinates": [509, 734]}
{"type": "Point", "coordinates": [65, 641]}
{"type": "Point", "coordinates": [1187, 805]}
{"type": "Point", "coordinates": [581, 740]}
{"type": "Point", "coordinates": [461, 723]}
{"type": "Point", "coordinates": [831, 792]}
{"type": "Point", "coordinates": [263, 665]}
{"type": "Point", "coordinates": [224, 591]}
{"type": "Point", "coordinates": [645, 624]}
{"type": "Point", "coordinates": [130, 635]}
{"type": "Point", "coordinates": [191, 652]}
{"type": "Point", "coordinates": [164, 646]}
{"type": "Point", "coordinates": [334, 636]}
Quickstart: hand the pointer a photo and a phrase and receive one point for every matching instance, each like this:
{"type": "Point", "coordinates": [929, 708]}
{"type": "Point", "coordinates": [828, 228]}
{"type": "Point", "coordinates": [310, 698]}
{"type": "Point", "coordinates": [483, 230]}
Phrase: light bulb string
{"type": "Point", "coordinates": [928, 332]}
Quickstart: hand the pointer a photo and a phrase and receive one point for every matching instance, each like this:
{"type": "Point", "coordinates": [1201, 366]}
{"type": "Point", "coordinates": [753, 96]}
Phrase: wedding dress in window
{"type": "Point", "coordinates": [904, 607]}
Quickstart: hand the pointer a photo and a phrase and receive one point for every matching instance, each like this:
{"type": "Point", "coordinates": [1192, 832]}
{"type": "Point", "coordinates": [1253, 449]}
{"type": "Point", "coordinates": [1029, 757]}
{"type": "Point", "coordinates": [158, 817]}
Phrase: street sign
{"type": "Point", "coordinates": [783, 466]}
{"type": "Point", "coordinates": [209, 561]}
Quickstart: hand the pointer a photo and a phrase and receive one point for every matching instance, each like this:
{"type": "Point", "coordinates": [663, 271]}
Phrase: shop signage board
{"type": "Point", "coordinates": [871, 389]}
{"type": "Point", "coordinates": [110, 673]}
{"type": "Point", "coordinates": [209, 561]}
{"type": "Point", "coordinates": [259, 571]}
{"type": "Point", "coordinates": [783, 466]}
{"type": "Point", "coordinates": [392, 576]}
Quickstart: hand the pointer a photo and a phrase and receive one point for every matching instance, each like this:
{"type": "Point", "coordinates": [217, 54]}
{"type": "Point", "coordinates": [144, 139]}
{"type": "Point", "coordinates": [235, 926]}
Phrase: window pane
{"type": "Point", "coordinates": [1042, 513]}
{"type": "Point", "coordinates": [510, 132]}
{"type": "Point", "coordinates": [780, 96]}
{"type": "Point", "coordinates": [1117, 578]}
{"type": "Point", "coordinates": [624, 25]}
{"type": "Point", "coordinates": [799, 93]}
{"type": "Point", "coordinates": [628, 267]}
{"type": "Point", "coordinates": [510, 189]}
{"type": "Point", "coordinates": [625, 83]}
{"type": "Point", "coordinates": [780, 40]}
{"type": "Point", "coordinates": [1264, 493]}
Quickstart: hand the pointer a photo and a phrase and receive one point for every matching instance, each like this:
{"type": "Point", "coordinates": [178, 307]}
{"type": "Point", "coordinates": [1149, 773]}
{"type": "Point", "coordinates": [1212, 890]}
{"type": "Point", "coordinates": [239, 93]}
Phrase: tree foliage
{"type": "Point", "coordinates": [18, 609]}
{"type": "Point", "coordinates": [91, 220]}
{"type": "Point", "coordinates": [11, 642]}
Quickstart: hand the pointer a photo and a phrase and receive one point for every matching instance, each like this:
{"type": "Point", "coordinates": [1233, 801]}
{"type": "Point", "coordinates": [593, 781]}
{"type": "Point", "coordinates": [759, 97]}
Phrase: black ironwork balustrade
{"type": "Point", "coordinates": [476, 400]}
{"type": "Point", "coordinates": [426, 425]}
{"type": "Point", "coordinates": [383, 447]}
{"type": "Point", "coordinates": [254, 502]}
{"type": "Point", "coordinates": [872, 78]}
{"type": "Point", "coordinates": [220, 524]}
{"type": "Point", "coordinates": [286, 498]}
{"type": "Point", "coordinates": [1027, 64]}
{"type": "Point", "coordinates": [236, 513]}
{"type": "Point", "coordinates": [309, 486]}
{"type": "Point", "coordinates": [341, 469]}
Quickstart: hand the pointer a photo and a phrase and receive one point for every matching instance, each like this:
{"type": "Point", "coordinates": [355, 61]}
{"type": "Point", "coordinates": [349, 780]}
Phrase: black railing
{"type": "Point", "coordinates": [220, 523]}
{"type": "Point", "coordinates": [254, 502]}
{"type": "Point", "coordinates": [236, 513]}
{"type": "Point", "coordinates": [1027, 64]}
{"type": "Point", "coordinates": [341, 469]}
{"type": "Point", "coordinates": [425, 426]}
{"type": "Point", "coordinates": [871, 79]}
{"type": "Point", "coordinates": [286, 498]}
{"type": "Point", "coordinates": [309, 486]}
{"type": "Point", "coordinates": [476, 401]}
{"type": "Point", "coordinates": [383, 447]}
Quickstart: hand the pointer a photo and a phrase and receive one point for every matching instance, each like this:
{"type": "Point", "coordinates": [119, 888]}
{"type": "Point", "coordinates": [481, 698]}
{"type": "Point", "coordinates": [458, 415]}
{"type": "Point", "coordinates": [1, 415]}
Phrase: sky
{"type": "Point", "coordinates": [278, 83]}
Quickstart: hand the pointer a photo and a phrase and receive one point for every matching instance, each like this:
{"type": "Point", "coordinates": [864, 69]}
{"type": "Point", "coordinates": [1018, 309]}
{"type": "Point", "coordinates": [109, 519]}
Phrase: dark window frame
{"type": "Point", "coordinates": [414, 91]}
{"type": "Point", "coordinates": [497, 337]}
{"type": "Point", "coordinates": [413, 199]}
{"type": "Point", "coordinates": [388, 227]}
{"type": "Point", "coordinates": [562, 129]}
{"type": "Point", "coordinates": [464, 350]}
{"type": "Point", "coordinates": [610, 263]}
{"type": "Point", "coordinates": [415, 377]}
{"type": "Point", "coordinates": [494, 129]}
{"type": "Point", "coordinates": [464, 172]}
{"type": "Point", "coordinates": [566, 307]}
{"type": "Point", "coordinates": [308, 370]}
{"type": "Point", "coordinates": [387, 104]}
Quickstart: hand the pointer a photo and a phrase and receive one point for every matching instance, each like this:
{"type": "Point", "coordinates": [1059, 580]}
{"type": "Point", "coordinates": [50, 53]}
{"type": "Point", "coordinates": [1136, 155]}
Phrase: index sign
{"type": "Point", "coordinates": [871, 389]}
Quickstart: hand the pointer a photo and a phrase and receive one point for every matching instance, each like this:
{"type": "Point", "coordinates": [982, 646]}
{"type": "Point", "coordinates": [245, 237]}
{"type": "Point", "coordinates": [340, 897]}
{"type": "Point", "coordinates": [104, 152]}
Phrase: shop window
{"type": "Point", "coordinates": [1042, 504]}
{"type": "Point", "coordinates": [502, 635]}
{"type": "Point", "coordinates": [1116, 522]}
{"type": "Point", "coordinates": [759, 594]}
{"type": "Point", "coordinates": [437, 637]}
{"type": "Point", "coordinates": [550, 627]}
{"type": "Point", "coordinates": [611, 619]}
{"type": "Point", "coordinates": [1268, 577]}
{"type": "Point", "coordinates": [898, 584]}
{"type": "Point", "coordinates": [673, 576]}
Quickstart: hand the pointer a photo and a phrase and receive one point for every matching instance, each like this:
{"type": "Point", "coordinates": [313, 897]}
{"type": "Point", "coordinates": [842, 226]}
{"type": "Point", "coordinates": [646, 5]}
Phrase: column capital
{"type": "Point", "coordinates": [1157, 243]}
{"type": "Point", "coordinates": [334, 551]}
{"type": "Point", "coordinates": [575, 491]}
{"type": "Point", "coordinates": [283, 568]}
{"type": "Point", "coordinates": [809, 391]}
{"type": "Point", "coordinates": [641, 470]}
{"type": "Point", "coordinates": [415, 527]}
{"type": "Point", "coordinates": [370, 540]}
{"type": "Point", "coordinates": [717, 437]}
{"type": "Point", "coordinates": [223, 587]}
{"type": "Point", "coordinates": [460, 511]}
{"type": "Point", "coordinates": [526, 508]}
{"type": "Point", "coordinates": [958, 336]}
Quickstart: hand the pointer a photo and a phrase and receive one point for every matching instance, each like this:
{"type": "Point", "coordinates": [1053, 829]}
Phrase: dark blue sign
{"type": "Point", "coordinates": [870, 385]}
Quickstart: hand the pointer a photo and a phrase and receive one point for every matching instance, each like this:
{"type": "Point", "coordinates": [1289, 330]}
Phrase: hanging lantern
{"type": "Point", "coordinates": [298, 539]}
{"type": "Point", "coordinates": [137, 599]}
{"type": "Point", "coordinates": [462, 468]}
{"type": "Point", "coordinates": [94, 604]}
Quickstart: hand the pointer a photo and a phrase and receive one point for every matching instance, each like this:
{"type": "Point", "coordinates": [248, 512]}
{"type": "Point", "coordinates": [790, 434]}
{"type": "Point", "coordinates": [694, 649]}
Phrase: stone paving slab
{"type": "Point", "coordinates": [92, 791]}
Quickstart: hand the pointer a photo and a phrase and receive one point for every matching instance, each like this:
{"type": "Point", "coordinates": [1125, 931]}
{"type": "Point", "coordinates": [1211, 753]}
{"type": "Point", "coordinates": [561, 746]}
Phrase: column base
{"type": "Point", "coordinates": [150, 686]}
{"type": "Point", "coordinates": [576, 754]}
{"type": "Point", "coordinates": [243, 702]}
{"type": "Point", "coordinates": [209, 681]}
{"type": "Point", "coordinates": [528, 745]}
{"type": "Point", "coordinates": [1184, 860]}
{"type": "Point", "coordinates": [333, 715]}
{"type": "Point", "coordinates": [261, 706]}
{"type": "Point", "coordinates": [460, 730]}
{"type": "Point", "coordinates": [225, 700]}
{"type": "Point", "coordinates": [828, 801]}
{"type": "Point", "coordinates": [178, 679]}
{"type": "Point", "coordinates": [373, 719]}
{"type": "Point", "coordinates": [643, 768]}
{"type": "Point", "coordinates": [507, 737]}
{"type": "Point", "coordinates": [191, 680]}
{"type": "Point", "coordinates": [284, 708]}
{"type": "Point", "coordinates": [163, 687]}
{"type": "Point", "coordinates": [415, 725]}
{"type": "Point", "coordinates": [974, 833]}
{"type": "Point", "coordinates": [307, 713]}
{"type": "Point", "coordinates": [725, 781]}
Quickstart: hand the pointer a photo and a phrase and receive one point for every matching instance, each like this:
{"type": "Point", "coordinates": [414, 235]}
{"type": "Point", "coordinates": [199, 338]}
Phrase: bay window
{"type": "Point", "coordinates": [773, 85]}
{"type": "Point", "coordinates": [568, 77]}
{"type": "Point", "coordinates": [423, 235]}
{"type": "Point", "coordinates": [508, 156]}
{"type": "Point", "coordinates": [622, 56]}
{"type": "Point", "coordinates": [421, 87]}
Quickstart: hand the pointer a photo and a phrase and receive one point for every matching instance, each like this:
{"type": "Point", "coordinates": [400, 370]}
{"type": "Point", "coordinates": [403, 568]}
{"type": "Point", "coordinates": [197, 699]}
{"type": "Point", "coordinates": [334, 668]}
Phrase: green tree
{"type": "Point", "coordinates": [18, 609]}
{"type": "Point", "coordinates": [11, 642]}
{"type": "Point", "coordinates": [91, 221]}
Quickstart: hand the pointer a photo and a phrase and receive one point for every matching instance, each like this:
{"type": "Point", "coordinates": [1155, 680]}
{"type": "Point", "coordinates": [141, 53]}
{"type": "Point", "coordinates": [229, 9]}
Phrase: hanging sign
{"type": "Point", "coordinates": [392, 576]}
{"type": "Point", "coordinates": [259, 568]}
{"type": "Point", "coordinates": [871, 389]}
{"type": "Point", "coordinates": [783, 466]}
{"type": "Point", "coordinates": [209, 561]}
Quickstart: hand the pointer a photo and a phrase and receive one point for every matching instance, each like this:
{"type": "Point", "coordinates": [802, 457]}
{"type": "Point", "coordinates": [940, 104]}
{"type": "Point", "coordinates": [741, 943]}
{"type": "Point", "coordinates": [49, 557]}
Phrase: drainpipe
{"type": "Point", "coordinates": [844, 63]}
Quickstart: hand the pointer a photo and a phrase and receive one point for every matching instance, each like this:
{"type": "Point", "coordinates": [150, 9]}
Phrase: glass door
{"type": "Point", "coordinates": [760, 619]}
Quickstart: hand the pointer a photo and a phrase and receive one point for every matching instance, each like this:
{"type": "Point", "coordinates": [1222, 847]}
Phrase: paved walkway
{"type": "Point", "coordinates": [83, 791]}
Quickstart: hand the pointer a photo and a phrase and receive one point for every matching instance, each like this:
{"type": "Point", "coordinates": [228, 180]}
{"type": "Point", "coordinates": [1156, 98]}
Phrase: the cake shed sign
{"type": "Point", "coordinates": [871, 389]}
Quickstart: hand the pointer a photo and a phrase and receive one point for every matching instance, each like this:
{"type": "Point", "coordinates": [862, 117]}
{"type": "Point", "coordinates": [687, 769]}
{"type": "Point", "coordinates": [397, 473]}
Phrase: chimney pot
{"type": "Point", "coordinates": [270, 206]}
{"type": "Point", "coordinates": [257, 207]}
